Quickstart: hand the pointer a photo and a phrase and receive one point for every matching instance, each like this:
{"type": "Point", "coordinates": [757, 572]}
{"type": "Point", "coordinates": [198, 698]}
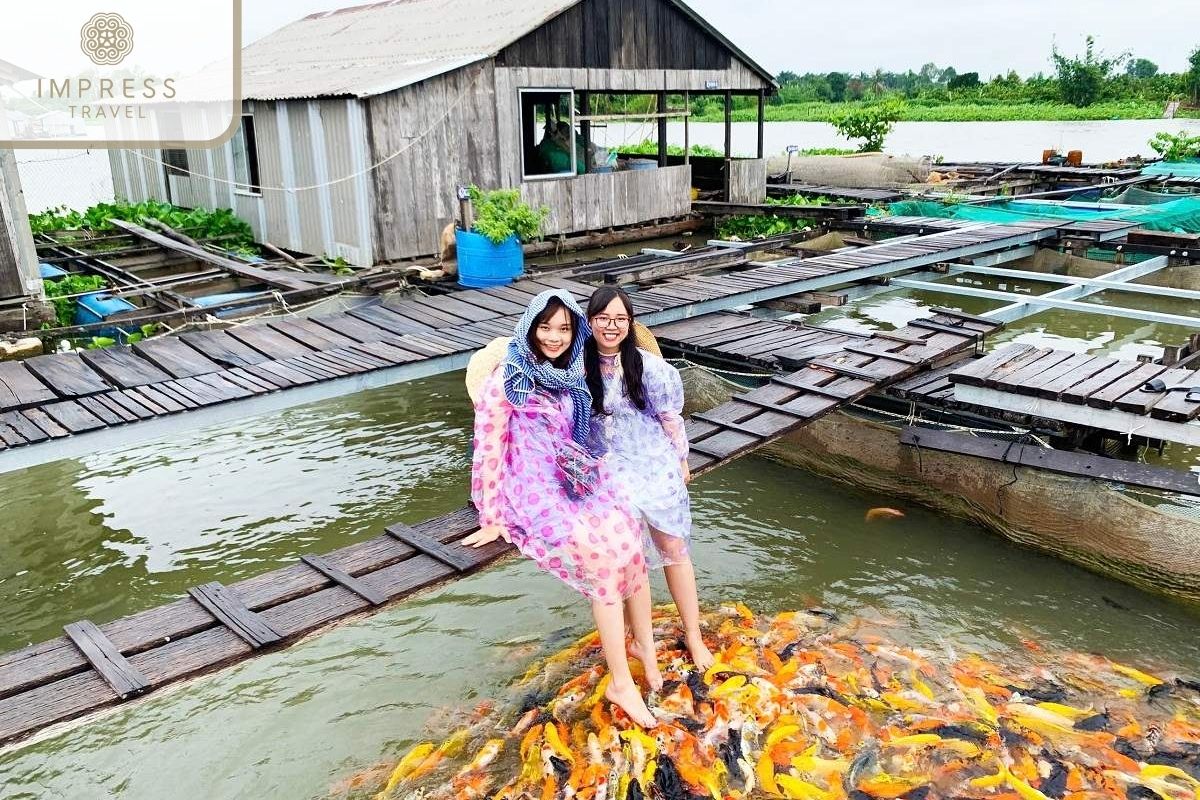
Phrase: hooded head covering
{"type": "Point", "coordinates": [523, 369]}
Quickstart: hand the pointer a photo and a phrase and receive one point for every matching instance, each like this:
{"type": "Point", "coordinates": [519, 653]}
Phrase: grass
{"type": "Point", "coordinates": [962, 112]}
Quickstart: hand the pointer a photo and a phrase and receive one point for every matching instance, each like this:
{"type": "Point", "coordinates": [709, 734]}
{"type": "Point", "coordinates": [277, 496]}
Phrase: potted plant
{"type": "Point", "coordinates": [490, 253]}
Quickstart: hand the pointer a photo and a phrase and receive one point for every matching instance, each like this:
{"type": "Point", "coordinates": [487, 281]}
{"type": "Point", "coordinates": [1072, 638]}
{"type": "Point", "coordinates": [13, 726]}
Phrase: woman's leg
{"type": "Point", "coordinates": [621, 688]}
{"type": "Point", "coordinates": [637, 612]}
{"type": "Point", "coordinates": [681, 581]}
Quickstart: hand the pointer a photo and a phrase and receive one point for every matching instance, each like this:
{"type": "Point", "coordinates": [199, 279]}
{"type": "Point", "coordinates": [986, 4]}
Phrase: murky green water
{"type": "Point", "coordinates": [126, 531]}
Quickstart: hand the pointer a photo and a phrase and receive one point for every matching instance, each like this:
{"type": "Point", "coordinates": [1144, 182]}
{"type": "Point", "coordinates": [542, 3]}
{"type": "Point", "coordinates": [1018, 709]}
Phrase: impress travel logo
{"type": "Point", "coordinates": [126, 74]}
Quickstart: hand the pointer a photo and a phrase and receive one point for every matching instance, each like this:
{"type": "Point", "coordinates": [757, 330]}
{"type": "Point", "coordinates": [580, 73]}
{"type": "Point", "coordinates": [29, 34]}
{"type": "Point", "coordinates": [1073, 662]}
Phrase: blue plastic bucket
{"type": "Point", "coordinates": [482, 264]}
{"type": "Point", "coordinates": [99, 306]}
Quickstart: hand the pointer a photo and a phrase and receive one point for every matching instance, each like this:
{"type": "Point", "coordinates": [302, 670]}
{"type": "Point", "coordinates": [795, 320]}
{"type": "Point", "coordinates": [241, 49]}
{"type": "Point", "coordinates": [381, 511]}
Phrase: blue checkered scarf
{"type": "Point", "coordinates": [523, 370]}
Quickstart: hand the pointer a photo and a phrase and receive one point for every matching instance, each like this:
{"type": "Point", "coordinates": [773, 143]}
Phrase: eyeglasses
{"type": "Point", "coordinates": [604, 320]}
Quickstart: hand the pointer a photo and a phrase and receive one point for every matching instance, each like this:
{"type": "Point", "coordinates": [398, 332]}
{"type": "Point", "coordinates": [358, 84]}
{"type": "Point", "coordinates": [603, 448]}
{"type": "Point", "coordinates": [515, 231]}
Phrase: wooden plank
{"type": "Point", "coordinates": [310, 334]}
{"type": "Point", "coordinates": [1048, 364]}
{"type": "Point", "coordinates": [286, 280]}
{"type": "Point", "coordinates": [1079, 464]}
{"type": "Point", "coordinates": [448, 304]}
{"type": "Point", "coordinates": [25, 429]}
{"type": "Point", "coordinates": [342, 578]}
{"type": "Point", "coordinates": [951, 329]}
{"type": "Point", "coordinates": [1077, 368]}
{"type": "Point", "coordinates": [120, 365]}
{"type": "Point", "coordinates": [121, 406]}
{"type": "Point", "coordinates": [976, 371]}
{"type": "Point", "coordinates": [451, 556]}
{"type": "Point", "coordinates": [269, 342]}
{"type": "Point", "coordinates": [66, 374]}
{"type": "Point", "coordinates": [106, 659]}
{"type": "Point", "coordinates": [48, 426]}
{"type": "Point", "coordinates": [353, 327]}
{"type": "Point", "coordinates": [228, 609]}
{"type": "Point", "coordinates": [71, 416]}
{"type": "Point", "coordinates": [1107, 396]}
{"type": "Point", "coordinates": [1079, 392]}
{"type": "Point", "coordinates": [223, 348]}
{"type": "Point", "coordinates": [92, 404]}
{"type": "Point", "coordinates": [389, 322]}
{"type": "Point", "coordinates": [176, 356]}
{"type": "Point", "coordinates": [1137, 401]}
{"type": "Point", "coordinates": [155, 397]}
{"type": "Point", "coordinates": [23, 385]}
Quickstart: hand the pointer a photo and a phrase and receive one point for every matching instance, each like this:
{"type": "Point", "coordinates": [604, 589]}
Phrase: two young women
{"type": "Point", "coordinates": [580, 460]}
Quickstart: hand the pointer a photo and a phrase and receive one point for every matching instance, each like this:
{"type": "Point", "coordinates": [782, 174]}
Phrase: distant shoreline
{"type": "Point", "coordinates": [965, 112]}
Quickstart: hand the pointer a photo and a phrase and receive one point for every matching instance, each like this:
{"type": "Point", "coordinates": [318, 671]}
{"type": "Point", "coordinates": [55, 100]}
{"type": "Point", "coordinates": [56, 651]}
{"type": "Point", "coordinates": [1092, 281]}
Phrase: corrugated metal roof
{"type": "Point", "coordinates": [373, 49]}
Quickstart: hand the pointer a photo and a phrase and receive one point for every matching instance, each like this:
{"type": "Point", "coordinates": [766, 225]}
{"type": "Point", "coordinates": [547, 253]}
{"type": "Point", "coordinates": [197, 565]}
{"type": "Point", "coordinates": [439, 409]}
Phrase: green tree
{"type": "Point", "coordinates": [965, 80]}
{"type": "Point", "coordinates": [1193, 75]}
{"type": "Point", "coordinates": [1081, 80]}
{"type": "Point", "coordinates": [837, 86]}
{"type": "Point", "coordinates": [1141, 68]}
{"type": "Point", "coordinates": [871, 124]}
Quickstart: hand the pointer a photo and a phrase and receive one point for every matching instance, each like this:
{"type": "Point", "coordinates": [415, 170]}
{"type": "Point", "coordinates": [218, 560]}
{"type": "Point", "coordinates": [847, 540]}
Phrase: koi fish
{"type": "Point", "coordinates": [883, 513]}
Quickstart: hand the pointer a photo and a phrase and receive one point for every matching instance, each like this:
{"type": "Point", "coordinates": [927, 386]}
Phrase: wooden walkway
{"type": "Point", "coordinates": [93, 667]}
{"type": "Point", "coordinates": [74, 403]}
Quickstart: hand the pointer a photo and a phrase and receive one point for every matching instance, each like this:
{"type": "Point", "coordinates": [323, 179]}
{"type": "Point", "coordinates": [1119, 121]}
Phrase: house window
{"type": "Point", "coordinates": [245, 158]}
{"type": "Point", "coordinates": [548, 141]}
{"type": "Point", "coordinates": [175, 161]}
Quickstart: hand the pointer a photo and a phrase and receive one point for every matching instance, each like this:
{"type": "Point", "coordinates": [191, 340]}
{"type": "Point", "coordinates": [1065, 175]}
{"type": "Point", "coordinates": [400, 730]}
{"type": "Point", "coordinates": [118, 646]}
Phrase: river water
{"type": "Point", "coordinates": [1104, 140]}
{"type": "Point", "coordinates": [124, 531]}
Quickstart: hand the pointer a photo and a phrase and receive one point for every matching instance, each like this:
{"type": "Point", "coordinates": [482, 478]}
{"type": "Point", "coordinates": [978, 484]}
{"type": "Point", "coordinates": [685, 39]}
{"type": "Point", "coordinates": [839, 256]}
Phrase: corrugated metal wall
{"type": "Point", "coordinates": [316, 149]}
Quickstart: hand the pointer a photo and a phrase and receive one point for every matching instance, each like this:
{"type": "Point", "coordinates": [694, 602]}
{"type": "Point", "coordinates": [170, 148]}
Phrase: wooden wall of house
{"type": "Point", "coordinates": [18, 261]}
{"type": "Point", "coordinates": [626, 35]}
{"type": "Point", "coordinates": [748, 180]}
{"type": "Point", "coordinates": [607, 200]}
{"type": "Point", "coordinates": [312, 162]}
{"type": "Point", "coordinates": [439, 134]}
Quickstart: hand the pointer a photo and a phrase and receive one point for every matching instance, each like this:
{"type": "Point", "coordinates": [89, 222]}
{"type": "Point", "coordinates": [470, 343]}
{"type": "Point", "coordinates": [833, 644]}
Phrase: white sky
{"type": "Point", "coordinates": [985, 36]}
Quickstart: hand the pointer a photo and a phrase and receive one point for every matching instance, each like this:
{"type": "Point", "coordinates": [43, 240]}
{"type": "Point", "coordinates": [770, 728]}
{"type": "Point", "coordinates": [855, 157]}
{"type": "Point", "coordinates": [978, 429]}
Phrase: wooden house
{"type": "Point", "coordinates": [359, 124]}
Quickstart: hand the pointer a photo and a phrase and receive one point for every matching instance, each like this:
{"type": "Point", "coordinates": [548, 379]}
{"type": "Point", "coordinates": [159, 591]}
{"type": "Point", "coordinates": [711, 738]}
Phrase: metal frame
{"type": "Point", "coordinates": [1102, 284]}
{"type": "Point", "coordinates": [849, 276]}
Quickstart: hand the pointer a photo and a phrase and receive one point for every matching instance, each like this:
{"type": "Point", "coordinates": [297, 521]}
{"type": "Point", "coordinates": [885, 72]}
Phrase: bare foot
{"type": "Point", "coordinates": [702, 657]}
{"type": "Point", "coordinates": [654, 678]}
{"type": "Point", "coordinates": [630, 701]}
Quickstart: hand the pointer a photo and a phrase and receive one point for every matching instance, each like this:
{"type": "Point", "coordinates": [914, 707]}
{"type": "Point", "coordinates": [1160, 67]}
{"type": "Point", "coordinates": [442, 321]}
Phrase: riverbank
{"type": "Point", "coordinates": [962, 112]}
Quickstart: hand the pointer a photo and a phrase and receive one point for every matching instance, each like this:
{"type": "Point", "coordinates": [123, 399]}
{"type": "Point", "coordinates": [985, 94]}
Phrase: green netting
{"type": "Point", "coordinates": [1137, 196]}
{"type": "Point", "coordinates": [1180, 169]}
{"type": "Point", "coordinates": [1176, 216]}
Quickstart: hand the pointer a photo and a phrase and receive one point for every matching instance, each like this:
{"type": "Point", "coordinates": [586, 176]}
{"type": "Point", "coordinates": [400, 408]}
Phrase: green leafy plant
{"type": "Point", "coordinates": [650, 147]}
{"type": "Point", "coordinates": [1175, 147]}
{"type": "Point", "coordinates": [60, 293]}
{"type": "Point", "coordinates": [200, 223]}
{"type": "Point", "coordinates": [338, 265]}
{"type": "Point", "coordinates": [871, 123]}
{"type": "Point", "coordinates": [826, 151]}
{"type": "Point", "coordinates": [501, 213]}
{"type": "Point", "coordinates": [100, 342]}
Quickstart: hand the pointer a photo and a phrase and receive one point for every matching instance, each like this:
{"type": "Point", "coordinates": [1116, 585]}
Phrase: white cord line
{"type": "Point", "coordinates": [420, 137]}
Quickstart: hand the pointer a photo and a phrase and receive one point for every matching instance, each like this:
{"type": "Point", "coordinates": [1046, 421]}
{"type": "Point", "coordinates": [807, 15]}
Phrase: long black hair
{"type": "Point", "coordinates": [553, 306]}
{"type": "Point", "coordinates": [631, 357]}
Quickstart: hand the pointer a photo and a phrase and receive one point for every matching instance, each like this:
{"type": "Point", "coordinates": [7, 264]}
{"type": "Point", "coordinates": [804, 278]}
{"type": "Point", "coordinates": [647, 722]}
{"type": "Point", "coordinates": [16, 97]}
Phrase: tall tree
{"type": "Point", "coordinates": [837, 86]}
{"type": "Point", "coordinates": [1081, 80]}
{"type": "Point", "coordinates": [1141, 68]}
{"type": "Point", "coordinates": [1193, 75]}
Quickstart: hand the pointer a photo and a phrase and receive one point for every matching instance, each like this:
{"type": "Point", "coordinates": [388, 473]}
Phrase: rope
{"type": "Point", "coordinates": [417, 140]}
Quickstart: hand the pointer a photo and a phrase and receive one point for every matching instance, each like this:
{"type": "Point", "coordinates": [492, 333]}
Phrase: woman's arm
{"type": "Point", "coordinates": [664, 395]}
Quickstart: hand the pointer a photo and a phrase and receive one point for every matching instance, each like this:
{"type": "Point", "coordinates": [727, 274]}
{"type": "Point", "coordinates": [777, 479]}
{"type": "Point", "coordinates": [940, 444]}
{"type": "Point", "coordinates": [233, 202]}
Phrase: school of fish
{"type": "Point", "coordinates": [803, 706]}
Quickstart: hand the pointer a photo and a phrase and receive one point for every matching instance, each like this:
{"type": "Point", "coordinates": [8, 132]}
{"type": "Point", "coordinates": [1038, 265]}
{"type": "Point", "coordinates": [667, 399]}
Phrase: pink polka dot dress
{"type": "Point", "coordinates": [645, 450]}
{"type": "Point", "coordinates": [593, 544]}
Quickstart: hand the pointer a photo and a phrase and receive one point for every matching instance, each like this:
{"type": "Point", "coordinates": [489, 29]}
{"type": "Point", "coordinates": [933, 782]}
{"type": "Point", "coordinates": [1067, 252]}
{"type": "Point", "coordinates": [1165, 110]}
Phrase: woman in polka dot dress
{"type": "Point", "coordinates": [637, 404]}
{"type": "Point", "coordinates": [537, 481]}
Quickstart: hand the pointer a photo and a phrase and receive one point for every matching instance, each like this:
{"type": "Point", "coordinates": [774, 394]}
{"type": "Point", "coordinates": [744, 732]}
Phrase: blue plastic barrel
{"type": "Point", "coordinates": [51, 272]}
{"type": "Point", "coordinates": [99, 306]}
{"type": "Point", "coordinates": [482, 264]}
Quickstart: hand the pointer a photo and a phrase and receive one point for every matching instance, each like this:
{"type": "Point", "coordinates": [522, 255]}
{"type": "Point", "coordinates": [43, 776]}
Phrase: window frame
{"type": "Point", "coordinates": [249, 142]}
{"type": "Point", "coordinates": [553, 176]}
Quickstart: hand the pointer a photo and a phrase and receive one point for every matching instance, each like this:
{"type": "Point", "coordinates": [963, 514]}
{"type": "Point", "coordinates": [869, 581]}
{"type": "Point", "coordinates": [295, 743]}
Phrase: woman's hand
{"type": "Point", "coordinates": [687, 471]}
{"type": "Point", "coordinates": [486, 535]}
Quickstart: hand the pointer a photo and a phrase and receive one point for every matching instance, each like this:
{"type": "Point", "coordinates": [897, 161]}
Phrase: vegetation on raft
{"type": "Point", "coordinates": [199, 223]}
{"type": "Point", "coordinates": [912, 111]}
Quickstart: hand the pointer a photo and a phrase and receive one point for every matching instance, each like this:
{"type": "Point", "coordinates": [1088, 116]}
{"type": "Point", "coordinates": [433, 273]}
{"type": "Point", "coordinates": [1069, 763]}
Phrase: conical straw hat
{"type": "Point", "coordinates": [484, 362]}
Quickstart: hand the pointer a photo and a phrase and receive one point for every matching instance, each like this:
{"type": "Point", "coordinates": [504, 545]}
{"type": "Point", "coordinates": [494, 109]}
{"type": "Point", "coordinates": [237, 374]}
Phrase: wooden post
{"type": "Point", "coordinates": [19, 276]}
{"type": "Point", "coordinates": [762, 118]}
{"type": "Point", "coordinates": [466, 211]}
{"type": "Point", "coordinates": [687, 145]}
{"type": "Point", "coordinates": [585, 129]}
{"type": "Point", "coordinates": [662, 129]}
{"type": "Point", "coordinates": [728, 145]}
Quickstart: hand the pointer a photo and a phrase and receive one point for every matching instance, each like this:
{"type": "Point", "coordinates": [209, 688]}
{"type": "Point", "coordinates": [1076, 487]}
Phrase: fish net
{"type": "Point", "coordinates": [806, 706]}
{"type": "Point", "coordinates": [1176, 216]}
{"type": "Point", "coordinates": [861, 171]}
